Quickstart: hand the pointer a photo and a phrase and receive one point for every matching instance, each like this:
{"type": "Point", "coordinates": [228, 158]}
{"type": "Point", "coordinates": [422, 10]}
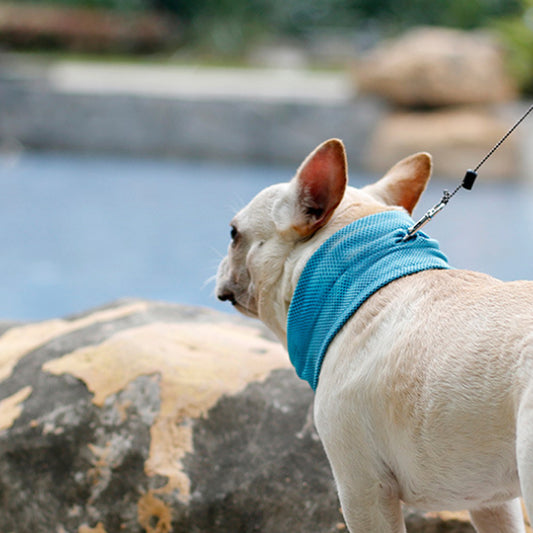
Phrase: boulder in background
{"type": "Point", "coordinates": [431, 67]}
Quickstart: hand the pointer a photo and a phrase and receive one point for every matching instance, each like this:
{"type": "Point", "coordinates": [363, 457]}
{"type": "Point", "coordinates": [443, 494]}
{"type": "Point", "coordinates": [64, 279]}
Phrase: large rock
{"type": "Point", "coordinates": [436, 67]}
{"type": "Point", "coordinates": [157, 418]}
{"type": "Point", "coordinates": [148, 417]}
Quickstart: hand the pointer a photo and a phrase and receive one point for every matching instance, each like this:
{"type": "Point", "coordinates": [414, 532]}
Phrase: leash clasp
{"type": "Point", "coordinates": [437, 208]}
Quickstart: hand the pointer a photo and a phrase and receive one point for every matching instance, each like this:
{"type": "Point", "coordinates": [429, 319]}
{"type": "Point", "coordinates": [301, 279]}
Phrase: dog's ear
{"type": "Point", "coordinates": [318, 187]}
{"type": "Point", "coordinates": [404, 183]}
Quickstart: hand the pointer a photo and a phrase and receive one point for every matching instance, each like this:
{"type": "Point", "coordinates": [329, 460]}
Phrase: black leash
{"type": "Point", "coordinates": [467, 183]}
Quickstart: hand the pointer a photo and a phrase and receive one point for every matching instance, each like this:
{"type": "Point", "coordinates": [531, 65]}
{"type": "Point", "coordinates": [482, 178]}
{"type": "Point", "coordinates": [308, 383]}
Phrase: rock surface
{"type": "Point", "coordinates": [435, 67]}
{"type": "Point", "coordinates": [157, 418]}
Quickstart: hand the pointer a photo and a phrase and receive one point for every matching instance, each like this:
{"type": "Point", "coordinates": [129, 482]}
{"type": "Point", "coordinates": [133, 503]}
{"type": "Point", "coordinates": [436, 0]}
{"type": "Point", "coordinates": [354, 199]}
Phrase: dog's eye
{"type": "Point", "coordinates": [234, 233]}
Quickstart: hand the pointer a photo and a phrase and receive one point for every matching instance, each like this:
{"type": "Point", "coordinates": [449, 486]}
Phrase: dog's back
{"type": "Point", "coordinates": [434, 368]}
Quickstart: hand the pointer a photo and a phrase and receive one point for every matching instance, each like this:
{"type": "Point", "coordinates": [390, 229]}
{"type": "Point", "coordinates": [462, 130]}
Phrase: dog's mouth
{"type": "Point", "coordinates": [227, 295]}
{"type": "Point", "coordinates": [244, 310]}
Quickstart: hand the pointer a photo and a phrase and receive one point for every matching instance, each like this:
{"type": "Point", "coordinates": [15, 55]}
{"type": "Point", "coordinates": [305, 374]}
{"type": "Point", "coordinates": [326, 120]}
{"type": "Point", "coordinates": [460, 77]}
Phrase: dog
{"type": "Point", "coordinates": [424, 389]}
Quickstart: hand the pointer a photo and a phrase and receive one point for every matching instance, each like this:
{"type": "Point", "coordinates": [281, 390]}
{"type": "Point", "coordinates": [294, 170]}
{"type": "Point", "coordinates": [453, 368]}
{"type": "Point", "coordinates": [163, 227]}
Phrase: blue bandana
{"type": "Point", "coordinates": [347, 269]}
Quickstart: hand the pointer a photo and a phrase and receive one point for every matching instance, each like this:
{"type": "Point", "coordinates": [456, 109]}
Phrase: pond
{"type": "Point", "coordinates": [80, 231]}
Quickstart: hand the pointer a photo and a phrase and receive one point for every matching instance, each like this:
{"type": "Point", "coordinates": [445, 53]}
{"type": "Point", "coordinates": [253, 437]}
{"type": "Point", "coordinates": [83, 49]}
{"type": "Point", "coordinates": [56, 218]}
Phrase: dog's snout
{"type": "Point", "coordinates": [225, 295]}
{"type": "Point", "coordinates": [223, 290]}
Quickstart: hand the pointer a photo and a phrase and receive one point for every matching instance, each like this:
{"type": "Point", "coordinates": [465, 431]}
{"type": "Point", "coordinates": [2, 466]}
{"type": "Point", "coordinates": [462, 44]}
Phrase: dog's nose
{"type": "Point", "coordinates": [225, 295]}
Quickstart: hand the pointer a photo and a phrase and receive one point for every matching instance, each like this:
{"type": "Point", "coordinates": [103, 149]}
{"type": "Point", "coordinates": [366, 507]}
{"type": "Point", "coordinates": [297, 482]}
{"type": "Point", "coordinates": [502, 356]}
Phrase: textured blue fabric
{"type": "Point", "coordinates": [345, 271]}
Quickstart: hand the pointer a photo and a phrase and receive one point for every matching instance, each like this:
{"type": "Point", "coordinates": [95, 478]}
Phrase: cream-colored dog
{"type": "Point", "coordinates": [425, 395]}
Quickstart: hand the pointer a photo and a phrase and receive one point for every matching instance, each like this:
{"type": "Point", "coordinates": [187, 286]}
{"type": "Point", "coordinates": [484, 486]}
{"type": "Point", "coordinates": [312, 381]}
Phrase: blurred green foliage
{"type": "Point", "coordinates": [516, 33]}
{"type": "Point", "coordinates": [465, 14]}
{"type": "Point", "coordinates": [119, 5]}
{"type": "Point", "coordinates": [230, 26]}
{"type": "Point", "coordinates": [297, 16]}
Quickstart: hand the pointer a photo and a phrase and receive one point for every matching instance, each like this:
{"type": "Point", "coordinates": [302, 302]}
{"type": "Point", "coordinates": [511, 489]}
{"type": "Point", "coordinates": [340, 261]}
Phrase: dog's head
{"type": "Point", "coordinates": [275, 234]}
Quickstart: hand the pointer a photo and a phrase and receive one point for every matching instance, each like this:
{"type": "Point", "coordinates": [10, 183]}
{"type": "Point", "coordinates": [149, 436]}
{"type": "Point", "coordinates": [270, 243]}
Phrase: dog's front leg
{"type": "Point", "coordinates": [380, 516]}
{"type": "Point", "coordinates": [505, 518]}
{"type": "Point", "coordinates": [368, 490]}
{"type": "Point", "coordinates": [371, 507]}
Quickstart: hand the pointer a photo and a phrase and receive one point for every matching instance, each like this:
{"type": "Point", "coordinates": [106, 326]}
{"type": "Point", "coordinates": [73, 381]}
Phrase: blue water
{"type": "Point", "coordinates": [80, 231]}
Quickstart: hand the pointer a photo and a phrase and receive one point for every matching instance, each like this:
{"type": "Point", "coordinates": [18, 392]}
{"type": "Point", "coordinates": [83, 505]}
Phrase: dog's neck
{"type": "Point", "coordinates": [275, 304]}
{"type": "Point", "coordinates": [346, 270]}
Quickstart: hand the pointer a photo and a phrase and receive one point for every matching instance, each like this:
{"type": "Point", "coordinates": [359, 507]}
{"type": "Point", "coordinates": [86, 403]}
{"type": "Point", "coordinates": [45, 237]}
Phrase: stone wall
{"type": "Point", "coordinates": [37, 115]}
